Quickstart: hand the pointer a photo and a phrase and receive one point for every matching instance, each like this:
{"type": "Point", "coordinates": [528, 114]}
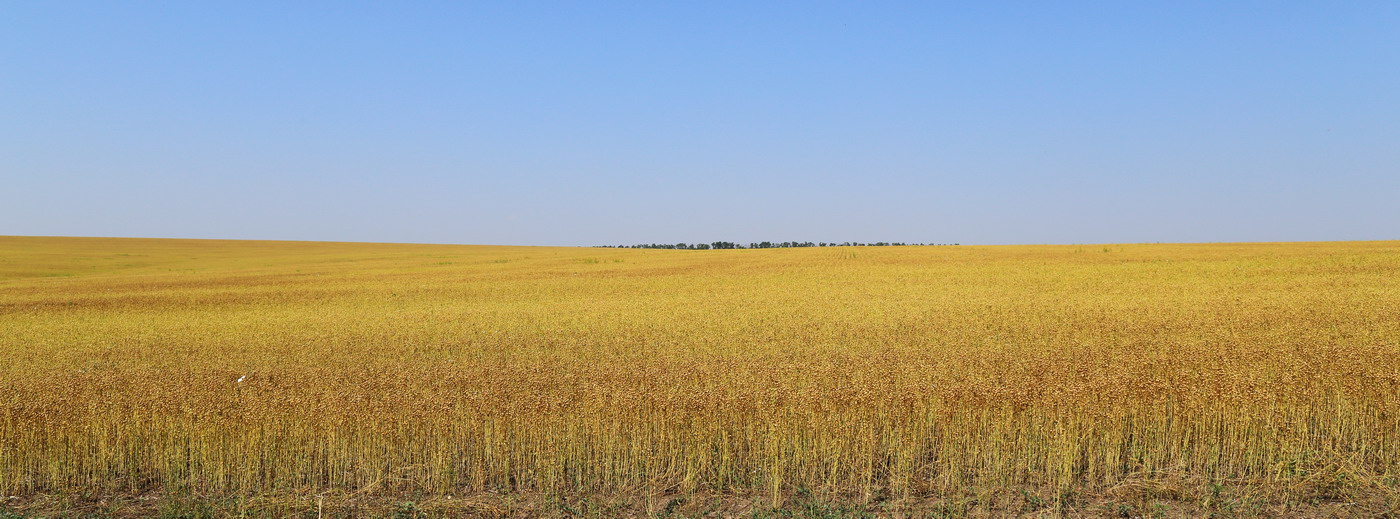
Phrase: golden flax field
{"type": "Point", "coordinates": [1033, 374]}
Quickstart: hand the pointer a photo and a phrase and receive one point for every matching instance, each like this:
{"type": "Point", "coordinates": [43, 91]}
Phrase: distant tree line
{"type": "Point", "coordinates": [763, 245]}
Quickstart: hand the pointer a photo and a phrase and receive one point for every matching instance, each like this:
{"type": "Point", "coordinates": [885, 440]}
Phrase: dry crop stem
{"type": "Point", "coordinates": [901, 370]}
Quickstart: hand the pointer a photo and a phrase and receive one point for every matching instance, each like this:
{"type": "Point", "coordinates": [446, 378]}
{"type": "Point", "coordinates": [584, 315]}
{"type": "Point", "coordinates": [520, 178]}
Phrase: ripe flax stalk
{"type": "Point", "coordinates": [264, 367]}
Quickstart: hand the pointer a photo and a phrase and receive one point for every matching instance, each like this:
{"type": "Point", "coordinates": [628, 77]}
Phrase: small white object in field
{"type": "Point", "coordinates": [240, 379]}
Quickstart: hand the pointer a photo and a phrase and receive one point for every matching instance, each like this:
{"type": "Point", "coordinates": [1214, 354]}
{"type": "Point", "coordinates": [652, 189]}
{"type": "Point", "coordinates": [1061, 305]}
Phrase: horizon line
{"type": "Point", "coordinates": [1048, 244]}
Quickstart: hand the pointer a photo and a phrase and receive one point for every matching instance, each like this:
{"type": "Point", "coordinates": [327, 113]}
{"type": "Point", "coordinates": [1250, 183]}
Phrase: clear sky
{"type": "Point", "coordinates": [584, 123]}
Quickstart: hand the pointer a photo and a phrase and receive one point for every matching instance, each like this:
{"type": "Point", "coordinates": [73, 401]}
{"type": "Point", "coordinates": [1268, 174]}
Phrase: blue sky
{"type": "Point", "coordinates": [583, 123]}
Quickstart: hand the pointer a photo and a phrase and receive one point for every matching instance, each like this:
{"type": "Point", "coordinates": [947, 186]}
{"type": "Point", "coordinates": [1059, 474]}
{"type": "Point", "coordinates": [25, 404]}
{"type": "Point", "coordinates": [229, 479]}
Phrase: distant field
{"type": "Point", "coordinates": [1105, 379]}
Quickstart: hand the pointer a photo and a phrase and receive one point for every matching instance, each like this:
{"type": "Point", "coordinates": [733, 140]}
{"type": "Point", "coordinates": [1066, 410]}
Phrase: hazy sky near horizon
{"type": "Point", "coordinates": [585, 123]}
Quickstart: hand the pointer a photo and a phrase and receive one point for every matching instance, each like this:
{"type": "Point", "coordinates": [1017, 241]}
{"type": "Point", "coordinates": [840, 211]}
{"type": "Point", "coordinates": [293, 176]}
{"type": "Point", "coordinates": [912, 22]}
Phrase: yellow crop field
{"type": "Point", "coordinates": [960, 380]}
